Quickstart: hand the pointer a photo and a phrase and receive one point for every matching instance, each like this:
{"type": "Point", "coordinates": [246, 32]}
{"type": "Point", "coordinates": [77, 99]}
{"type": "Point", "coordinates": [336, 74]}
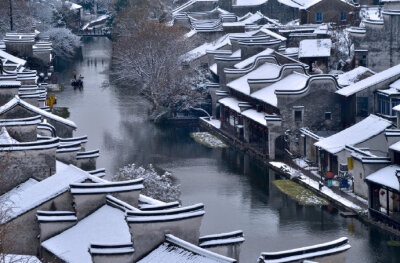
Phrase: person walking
{"type": "Point", "coordinates": [74, 74]}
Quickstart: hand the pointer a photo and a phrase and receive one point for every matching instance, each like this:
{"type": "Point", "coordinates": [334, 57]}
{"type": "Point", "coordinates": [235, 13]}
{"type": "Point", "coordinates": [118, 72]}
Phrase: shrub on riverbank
{"type": "Point", "coordinates": [64, 42]}
{"type": "Point", "coordinates": [157, 186]}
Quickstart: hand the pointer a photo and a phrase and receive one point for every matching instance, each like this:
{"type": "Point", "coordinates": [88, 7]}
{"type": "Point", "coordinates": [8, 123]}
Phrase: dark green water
{"type": "Point", "coordinates": [237, 191]}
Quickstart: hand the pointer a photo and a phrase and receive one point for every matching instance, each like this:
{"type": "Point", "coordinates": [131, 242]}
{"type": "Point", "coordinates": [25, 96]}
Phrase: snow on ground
{"type": "Point", "coordinates": [314, 184]}
{"type": "Point", "coordinates": [208, 140]}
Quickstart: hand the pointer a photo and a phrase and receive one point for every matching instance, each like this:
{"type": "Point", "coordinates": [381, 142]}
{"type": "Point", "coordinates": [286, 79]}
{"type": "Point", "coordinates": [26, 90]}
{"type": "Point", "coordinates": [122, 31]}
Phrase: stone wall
{"type": "Point", "coordinates": [148, 236]}
{"type": "Point", "coordinates": [24, 229]}
{"type": "Point", "coordinates": [7, 94]}
{"type": "Point", "coordinates": [313, 114]}
{"type": "Point", "coordinates": [381, 41]}
{"type": "Point", "coordinates": [26, 133]}
{"type": "Point", "coordinates": [18, 166]}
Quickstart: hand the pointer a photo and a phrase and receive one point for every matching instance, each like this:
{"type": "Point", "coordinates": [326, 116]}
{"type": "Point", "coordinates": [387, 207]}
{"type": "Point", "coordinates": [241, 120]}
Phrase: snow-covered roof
{"type": "Point", "coordinates": [371, 81]}
{"type": "Point", "coordinates": [359, 132]}
{"type": "Point", "coordinates": [215, 45]}
{"type": "Point", "coordinates": [179, 251]}
{"type": "Point", "coordinates": [231, 103]}
{"type": "Point", "coordinates": [294, 81]}
{"type": "Point", "coordinates": [389, 91]}
{"type": "Point", "coordinates": [395, 146]}
{"type": "Point", "coordinates": [106, 225]}
{"type": "Point", "coordinates": [26, 198]}
{"type": "Point", "coordinates": [299, 254]}
{"type": "Point", "coordinates": [251, 18]}
{"type": "Point", "coordinates": [305, 4]}
{"type": "Point", "coordinates": [256, 116]}
{"type": "Point", "coordinates": [273, 34]}
{"type": "Point", "coordinates": [310, 48]}
{"type": "Point", "coordinates": [73, 6]}
{"type": "Point", "coordinates": [301, 4]}
{"type": "Point", "coordinates": [248, 61]}
{"type": "Point", "coordinates": [10, 83]}
{"type": "Point", "coordinates": [396, 108]}
{"type": "Point", "coordinates": [248, 2]}
{"type": "Point", "coordinates": [395, 85]}
{"type": "Point", "coordinates": [17, 101]}
{"type": "Point", "coordinates": [353, 76]}
{"type": "Point", "coordinates": [221, 239]}
{"type": "Point", "coordinates": [371, 13]}
{"type": "Point", "coordinates": [5, 138]}
{"type": "Point", "coordinates": [264, 71]}
{"type": "Point", "coordinates": [202, 50]}
{"type": "Point", "coordinates": [386, 176]}
{"type": "Point", "coordinates": [10, 58]}
{"type": "Point", "coordinates": [107, 187]}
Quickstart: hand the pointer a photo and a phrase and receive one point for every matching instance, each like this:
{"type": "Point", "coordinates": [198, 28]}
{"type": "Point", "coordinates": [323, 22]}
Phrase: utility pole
{"type": "Point", "coordinates": [11, 15]}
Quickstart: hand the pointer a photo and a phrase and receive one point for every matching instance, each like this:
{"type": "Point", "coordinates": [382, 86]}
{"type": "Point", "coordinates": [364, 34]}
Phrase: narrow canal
{"type": "Point", "coordinates": [238, 192]}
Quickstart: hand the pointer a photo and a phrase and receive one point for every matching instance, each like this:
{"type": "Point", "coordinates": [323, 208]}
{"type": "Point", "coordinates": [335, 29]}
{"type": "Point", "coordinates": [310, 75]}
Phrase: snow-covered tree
{"type": "Point", "coordinates": [65, 43]}
{"type": "Point", "coordinates": [157, 186]}
{"type": "Point", "coordinates": [15, 16]}
{"type": "Point", "coordinates": [150, 54]}
{"type": "Point", "coordinates": [343, 48]}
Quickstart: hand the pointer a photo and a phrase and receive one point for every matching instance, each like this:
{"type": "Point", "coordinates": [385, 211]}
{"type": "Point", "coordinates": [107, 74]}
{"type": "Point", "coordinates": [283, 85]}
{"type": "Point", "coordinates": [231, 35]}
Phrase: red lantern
{"type": "Point", "coordinates": [376, 190]}
{"type": "Point", "coordinates": [392, 196]}
{"type": "Point", "coordinates": [383, 193]}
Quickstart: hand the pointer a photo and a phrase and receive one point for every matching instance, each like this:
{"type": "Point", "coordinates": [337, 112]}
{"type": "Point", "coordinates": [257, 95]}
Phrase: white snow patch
{"type": "Point", "coordinates": [310, 48]}
{"type": "Point", "coordinates": [208, 139]}
{"type": "Point", "coordinates": [5, 137]}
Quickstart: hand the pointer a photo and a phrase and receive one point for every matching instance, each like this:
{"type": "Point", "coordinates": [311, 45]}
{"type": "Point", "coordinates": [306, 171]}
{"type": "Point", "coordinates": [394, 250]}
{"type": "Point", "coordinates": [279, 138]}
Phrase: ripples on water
{"type": "Point", "coordinates": [237, 191]}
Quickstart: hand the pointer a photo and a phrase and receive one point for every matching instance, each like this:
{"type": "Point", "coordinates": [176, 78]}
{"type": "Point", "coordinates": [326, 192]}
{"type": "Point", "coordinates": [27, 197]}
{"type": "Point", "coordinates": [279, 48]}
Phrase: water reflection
{"type": "Point", "coordinates": [237, 191]}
